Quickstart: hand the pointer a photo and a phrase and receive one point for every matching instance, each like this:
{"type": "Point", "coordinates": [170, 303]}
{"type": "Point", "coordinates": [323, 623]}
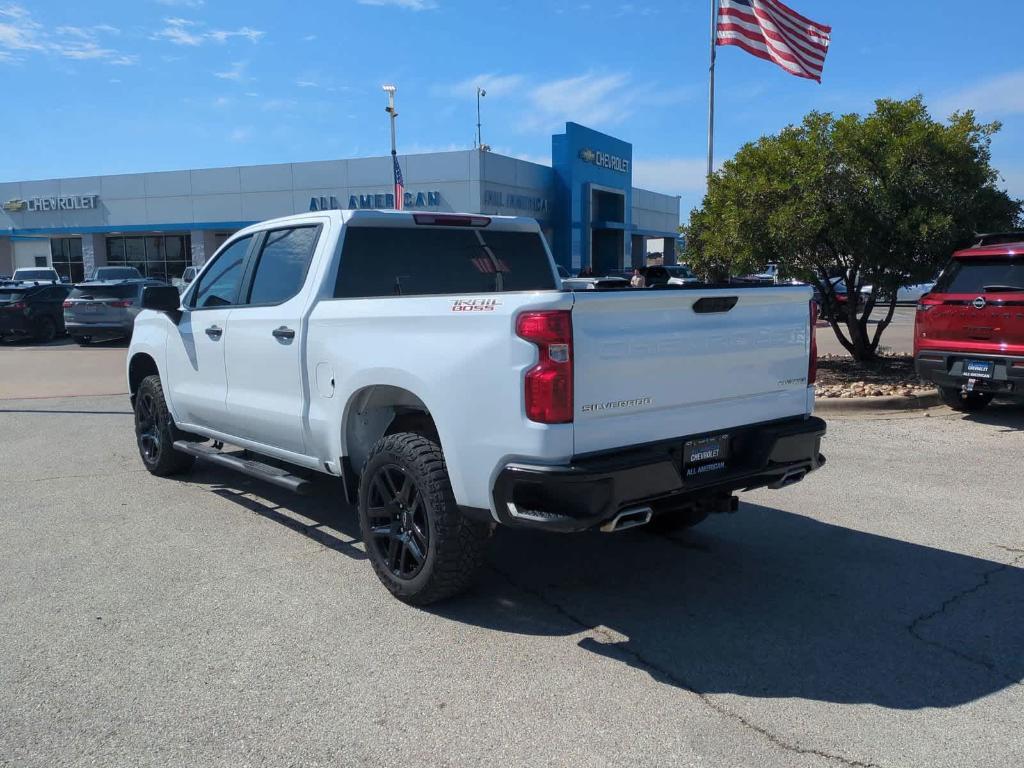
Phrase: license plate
{"type": "Point", "coordinates": [978, 369]}
{"type": "Point", "coordinates": [708, 454]}
{"type": "Point", "coordinates": [88, 309]}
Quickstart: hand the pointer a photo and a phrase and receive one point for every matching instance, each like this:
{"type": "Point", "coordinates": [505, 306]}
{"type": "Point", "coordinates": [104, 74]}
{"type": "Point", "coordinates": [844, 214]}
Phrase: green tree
{"type": "Point", "coordinates": [880, 200]}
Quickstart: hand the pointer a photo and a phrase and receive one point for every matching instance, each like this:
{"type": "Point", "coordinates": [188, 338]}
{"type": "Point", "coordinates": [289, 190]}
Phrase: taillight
{"type": "Point", "coordinates": [548, 385]}
{"type": "Point", "coordinates": [122, 303]}
{"type": "Point", "coordinates": [68, 304]}
{"type": "Point", "coordinates": [812, 362]}
{"type": "Point", "coordinates": [16, 306]}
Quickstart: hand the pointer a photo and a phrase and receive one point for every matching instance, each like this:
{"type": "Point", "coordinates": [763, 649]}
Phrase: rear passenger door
{"type": "Point", "coordinates": [264, 350]}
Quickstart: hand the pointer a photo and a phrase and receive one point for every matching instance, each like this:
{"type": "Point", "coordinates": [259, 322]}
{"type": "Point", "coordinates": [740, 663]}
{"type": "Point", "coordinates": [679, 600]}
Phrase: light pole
{"type": "Point", "coordinates": [393, 113]}
{"type": "Point", "coordinates": [480, 93]}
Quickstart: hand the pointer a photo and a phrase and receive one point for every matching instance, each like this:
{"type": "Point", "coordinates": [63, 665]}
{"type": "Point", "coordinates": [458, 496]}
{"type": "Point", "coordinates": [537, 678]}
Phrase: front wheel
{"type": "Point", "coordinates": [967, 402]}
{"type": "Point", "coordinates": [155, 431]}
{"type": "Point", "coordinates": [420, 545]}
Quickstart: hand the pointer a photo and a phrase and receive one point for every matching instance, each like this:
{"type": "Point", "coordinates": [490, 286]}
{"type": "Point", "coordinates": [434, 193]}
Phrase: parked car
{"type": "Point", "coordinates": [104, 309]}
{"type": "Point", "coordinates": [969, 329]}
{"type": "Point", "coordinates": [115, 273]}
{"type": "Point", "coordinates": [36, 275]}
{"type": "Point", "coordinates": [839, 306]}
{"type": "Point", "coordinates": [594, 283]}
{"type": "Point", "coordinates": [432, 363]}
{"type": "Point", "coordinates": [32, 309]}
{"type": "Point", "coordinates": [911, 294]}
{"type": "Point", "coordinates": [658, 274]}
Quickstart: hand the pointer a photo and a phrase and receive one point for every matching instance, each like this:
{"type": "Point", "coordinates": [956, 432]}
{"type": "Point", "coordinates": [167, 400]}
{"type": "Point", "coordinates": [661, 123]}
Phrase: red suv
{"type": "Point", "coordinates": [969, 331]}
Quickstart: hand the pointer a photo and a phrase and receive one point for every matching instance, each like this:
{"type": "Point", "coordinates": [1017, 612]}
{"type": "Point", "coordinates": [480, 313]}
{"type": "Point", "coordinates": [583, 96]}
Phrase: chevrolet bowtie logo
{"type": "Point", "coordinates": [15, 205]}
{"type": "Point", "coordinates": [587, 155]}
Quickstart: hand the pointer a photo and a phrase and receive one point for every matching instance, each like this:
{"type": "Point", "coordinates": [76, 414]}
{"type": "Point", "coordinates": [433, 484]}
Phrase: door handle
{"type": "Point", "coordinates": [283, 333]}
{"type": "Point", "coordinates": [214, 332]}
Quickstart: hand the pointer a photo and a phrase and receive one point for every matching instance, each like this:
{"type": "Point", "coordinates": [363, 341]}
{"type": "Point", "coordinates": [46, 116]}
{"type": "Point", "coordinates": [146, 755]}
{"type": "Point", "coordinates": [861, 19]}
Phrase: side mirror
{"type": "Point", "coordinates": [162, 298]}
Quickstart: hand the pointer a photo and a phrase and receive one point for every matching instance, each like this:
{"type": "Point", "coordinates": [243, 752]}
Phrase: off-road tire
{"type": "Point", "coordinates": [44, 329]}
{"type": "Point", "coordinates": [967, 402]}
{"type": "Point", "coordinates": [155, 431]}
{"type": "Point", "coordinates": [455, 544]}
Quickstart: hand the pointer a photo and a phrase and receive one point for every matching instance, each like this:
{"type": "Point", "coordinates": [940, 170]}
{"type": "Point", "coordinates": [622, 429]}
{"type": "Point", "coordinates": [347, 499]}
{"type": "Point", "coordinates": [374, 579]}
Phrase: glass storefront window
{"type": "Point", "coordinates": [163, 257]}
{"type": "Point", "coordinates": [66, 257]}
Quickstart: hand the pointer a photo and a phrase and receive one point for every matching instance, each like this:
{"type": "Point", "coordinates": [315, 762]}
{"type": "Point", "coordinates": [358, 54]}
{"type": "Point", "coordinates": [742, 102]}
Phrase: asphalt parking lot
{"type": "Point", "coordinates": [871, 615]}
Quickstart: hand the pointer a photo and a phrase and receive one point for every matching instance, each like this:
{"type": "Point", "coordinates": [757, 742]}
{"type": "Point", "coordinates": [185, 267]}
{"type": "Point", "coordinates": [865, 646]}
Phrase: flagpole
{"type": "Point", "coordinates": [711, 91]}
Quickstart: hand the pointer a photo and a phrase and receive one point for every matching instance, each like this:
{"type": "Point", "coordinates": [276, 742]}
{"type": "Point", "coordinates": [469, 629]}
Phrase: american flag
{"type": "Point", "coordinates": [399, 185]}
{"type": "Point", "coordinates": [770, 30]}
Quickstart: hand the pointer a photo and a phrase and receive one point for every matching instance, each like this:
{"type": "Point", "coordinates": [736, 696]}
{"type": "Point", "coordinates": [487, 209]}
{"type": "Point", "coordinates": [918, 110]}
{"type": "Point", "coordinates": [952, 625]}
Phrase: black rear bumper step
{"type": "Point", "coordinates": [250, 467]}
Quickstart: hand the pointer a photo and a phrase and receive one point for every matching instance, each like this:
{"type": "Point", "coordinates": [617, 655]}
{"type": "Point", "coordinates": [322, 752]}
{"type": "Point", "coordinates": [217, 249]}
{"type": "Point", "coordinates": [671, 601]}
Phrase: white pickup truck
{"type": "Point", "coordinates": [434, 364]}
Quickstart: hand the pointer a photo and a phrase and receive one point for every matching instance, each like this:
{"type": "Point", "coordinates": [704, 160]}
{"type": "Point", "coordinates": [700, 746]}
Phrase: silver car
{"type": "Point", "coordinates": [104, 309]}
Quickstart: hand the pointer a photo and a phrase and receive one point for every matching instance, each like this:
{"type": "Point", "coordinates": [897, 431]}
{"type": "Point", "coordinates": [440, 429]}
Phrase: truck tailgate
{"type": "Point", "coordinates": [652, 365]}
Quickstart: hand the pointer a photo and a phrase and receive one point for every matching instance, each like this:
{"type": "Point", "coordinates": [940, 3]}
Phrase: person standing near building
{"type": "Point", "coordinates": [638, 280]}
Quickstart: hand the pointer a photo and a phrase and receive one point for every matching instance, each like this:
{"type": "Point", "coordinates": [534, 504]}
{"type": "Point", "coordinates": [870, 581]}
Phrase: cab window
{"type": "Point", "coordinates": [220, 283]}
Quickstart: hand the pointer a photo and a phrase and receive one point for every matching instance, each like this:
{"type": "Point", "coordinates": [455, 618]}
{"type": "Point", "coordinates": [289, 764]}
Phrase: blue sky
{"type": "Point", "coordinates": [113, 86]}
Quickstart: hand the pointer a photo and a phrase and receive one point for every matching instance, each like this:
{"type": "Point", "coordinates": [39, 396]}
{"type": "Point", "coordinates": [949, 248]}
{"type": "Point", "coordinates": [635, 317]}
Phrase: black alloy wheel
{"type": "Point", "coordinates": [398, 521]}
{"type": "Point", "coordinates": [147, 428]}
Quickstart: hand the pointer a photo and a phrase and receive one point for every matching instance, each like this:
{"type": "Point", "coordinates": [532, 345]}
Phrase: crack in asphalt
{"type": "Point", "coordinates": [914, 628]}
{"type": "Point", "coordinates": [636, 659]}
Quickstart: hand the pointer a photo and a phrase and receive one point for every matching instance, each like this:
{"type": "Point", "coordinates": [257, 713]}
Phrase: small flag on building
{"type": "Point", "coordinates": [399, 185]}
{"type": "Point", "coordinates": [770, 30]}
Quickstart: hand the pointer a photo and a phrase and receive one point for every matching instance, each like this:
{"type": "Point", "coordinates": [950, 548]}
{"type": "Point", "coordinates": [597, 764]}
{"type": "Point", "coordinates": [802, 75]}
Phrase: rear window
{"type": "Point", "coordinates": [421, 261]}
{"type": "Point", "coordinates": [117, 273]}
{"type": "Point", "coordinates": [104, 292]}
{"type": "Point", "coordinates": [979, 275]}
{"type": "Point", "coordinates": [34, 274]}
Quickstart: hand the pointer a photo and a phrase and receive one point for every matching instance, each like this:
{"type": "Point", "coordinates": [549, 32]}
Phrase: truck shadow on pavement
{"type": "Point", "coordinates": [1010, 416]}
{"type": "Point", "coordinates": [321, 516]}
{"type": "Point", "coordinates": [766, 603]}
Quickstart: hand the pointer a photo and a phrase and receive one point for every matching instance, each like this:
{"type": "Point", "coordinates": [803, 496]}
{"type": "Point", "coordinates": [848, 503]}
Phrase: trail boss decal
{"type": "Point", "coordinates": [616, 404]}
{"type": "Point", "coordinates": [475, 305]}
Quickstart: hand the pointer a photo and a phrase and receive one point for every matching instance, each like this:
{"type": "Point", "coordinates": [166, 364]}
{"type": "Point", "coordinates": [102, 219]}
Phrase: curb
{"type": "Point", "coordinates": [861, 404]}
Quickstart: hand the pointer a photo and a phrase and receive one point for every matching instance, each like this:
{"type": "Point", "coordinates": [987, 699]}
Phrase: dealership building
{"type": "Point", "coordinates": [163, 221]}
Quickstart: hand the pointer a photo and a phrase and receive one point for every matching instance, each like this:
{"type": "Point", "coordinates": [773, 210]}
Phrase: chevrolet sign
{"type": "Point", "coordinates": [604, 160]}
{"type": "Point", "coordinates": [55, 203]}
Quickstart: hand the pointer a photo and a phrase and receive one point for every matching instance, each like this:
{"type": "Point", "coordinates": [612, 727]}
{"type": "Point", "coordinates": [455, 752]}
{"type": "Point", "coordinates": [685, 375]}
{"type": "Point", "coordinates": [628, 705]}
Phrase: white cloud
{"type": "Point", "coordinates": [186, 32]}
{"type": "Point", "coordinates": [412, 5]}
{"type": "Point", "coordinates": [590, 99]}
{"type": "Point", "coordinates": [240, 134]}
{"type": "Point", "coordinates": [494, 84]}
{"type": "Point", "coordinates": [305, 83]}
{"type": "Point", "coordinates": [1001, 95]}
{"type": "Point", "coordinates": [235, 72]}
{"type": "Point", "coordinates": [21, 34]}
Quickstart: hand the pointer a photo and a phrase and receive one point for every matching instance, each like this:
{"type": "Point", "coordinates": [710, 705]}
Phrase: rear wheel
{"type": "Point", "coordinates": [155, 431]}
{"type": "Point", "coordinates": [968, 402]}
{"type": "Point", "coordinates": [44, 329]}
{"type": "Point", "coordinates": [420, 545]}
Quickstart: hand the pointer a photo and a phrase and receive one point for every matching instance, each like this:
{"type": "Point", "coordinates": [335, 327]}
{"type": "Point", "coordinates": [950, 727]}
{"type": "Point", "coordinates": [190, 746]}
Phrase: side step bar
{"type": "Point", "coordinates": [257, 469]}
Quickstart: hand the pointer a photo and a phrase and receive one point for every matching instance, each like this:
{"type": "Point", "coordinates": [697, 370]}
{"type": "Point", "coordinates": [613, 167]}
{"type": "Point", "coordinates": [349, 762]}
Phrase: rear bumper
{"type": "Point", "coordinates": [594, 488]}
{"type": "Point", "coordinates": [98, 330]}
{"type": "Point", "coordinates": [946, 369]}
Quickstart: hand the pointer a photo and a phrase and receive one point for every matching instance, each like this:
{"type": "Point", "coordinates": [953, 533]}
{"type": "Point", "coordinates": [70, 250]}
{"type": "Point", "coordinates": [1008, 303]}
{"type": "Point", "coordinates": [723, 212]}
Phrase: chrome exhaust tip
{"type": "Point", "coordinates": [789, 479]}
{"type": "Point", "coordinates": [628, 518]}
